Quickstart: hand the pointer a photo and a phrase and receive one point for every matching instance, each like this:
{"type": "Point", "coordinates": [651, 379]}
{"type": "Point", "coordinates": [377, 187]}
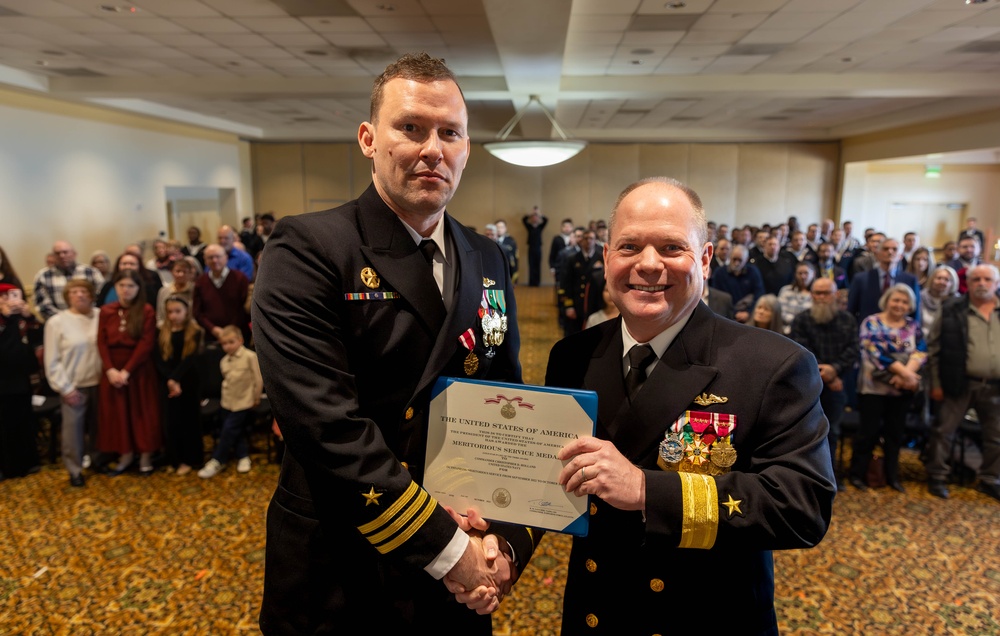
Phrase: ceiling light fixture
{"type": "Point", "coordinates": [533, 154]}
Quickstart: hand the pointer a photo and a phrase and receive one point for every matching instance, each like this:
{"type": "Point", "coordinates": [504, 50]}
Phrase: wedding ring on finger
{"type": "Point", "coordinates": [583, 473]}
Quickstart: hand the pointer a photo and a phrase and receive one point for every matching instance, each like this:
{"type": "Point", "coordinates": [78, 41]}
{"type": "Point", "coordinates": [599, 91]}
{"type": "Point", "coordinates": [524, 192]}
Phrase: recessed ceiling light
{"type": "Point", "coordinates": [42, 63]}
{"type": "Point", "coordinates": [675, 5]}
{"type": "Point", "coordinates": [641, 51]}
{"type": "Point", "coordinates": [976, 1]}
{"type": "Point", "coordinates": [847, 59]}
{"type": "Point", "coordinates": [635, 62]}
{"type": "Point", "coordinates": [385, 7]}
{"type": "Point", "coordinates": [53, 53]}
{"type": "Point", "coordinates": [317, 52]}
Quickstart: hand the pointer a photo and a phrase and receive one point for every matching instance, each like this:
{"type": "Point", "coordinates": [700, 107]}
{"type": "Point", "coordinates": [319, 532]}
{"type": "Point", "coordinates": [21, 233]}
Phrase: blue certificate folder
{"type": "Point", "coordinates": [491, 446]}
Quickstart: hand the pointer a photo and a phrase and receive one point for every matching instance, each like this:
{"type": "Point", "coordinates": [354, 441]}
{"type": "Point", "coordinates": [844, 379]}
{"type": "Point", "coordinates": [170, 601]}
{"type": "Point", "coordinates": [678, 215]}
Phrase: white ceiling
{"type": "Point", "coordinates": [611, 70]}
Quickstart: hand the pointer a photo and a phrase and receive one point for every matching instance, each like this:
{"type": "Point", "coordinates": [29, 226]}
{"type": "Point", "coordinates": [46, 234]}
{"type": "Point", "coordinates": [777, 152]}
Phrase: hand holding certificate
{"type": "Point", "coordinates": [492, 447]}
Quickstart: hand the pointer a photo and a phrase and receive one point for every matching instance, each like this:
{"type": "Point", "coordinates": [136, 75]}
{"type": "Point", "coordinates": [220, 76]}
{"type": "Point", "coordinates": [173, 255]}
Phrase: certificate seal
{"type": "Point", "coordinates": [501, 497]}
{"type": "Point", "coordinates": [508, 410]}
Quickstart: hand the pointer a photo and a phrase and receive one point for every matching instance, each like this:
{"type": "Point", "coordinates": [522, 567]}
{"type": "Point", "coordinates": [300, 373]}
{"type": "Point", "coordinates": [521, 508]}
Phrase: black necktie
{"type": "Point", "coordinates": [639, 357]}
{"type": "Point", "coordinates": [428, 247]}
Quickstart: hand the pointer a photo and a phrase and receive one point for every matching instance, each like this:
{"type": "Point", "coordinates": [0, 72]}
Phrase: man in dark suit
{"type": "Point", "coordinates": [867, 287]}
{"type": "Point", "coordinates": [776, 266]}
{"type": "Point", "coordinates": [559, 243]}
{"type": "Point", "coordinates": [357, 311]}
{"type": "Point", "coordinates": [581, 283]}
{"type": "Point", "coordinates": [700, 471]}
{"type": "Point", "coordinates": [509, 246]}
{"type": "Point", "coordinates": [534, 223]}
{"type": "Point", "coordinates": [972, 231]}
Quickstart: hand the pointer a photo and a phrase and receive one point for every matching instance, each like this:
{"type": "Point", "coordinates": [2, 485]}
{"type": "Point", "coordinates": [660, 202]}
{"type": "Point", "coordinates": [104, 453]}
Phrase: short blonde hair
{"type": "Point", "coordinates": [82, 283]}
{"type": "Point", "coordinates": [898, 288]}
{"type": "Point", "coordinates": [231, 330]}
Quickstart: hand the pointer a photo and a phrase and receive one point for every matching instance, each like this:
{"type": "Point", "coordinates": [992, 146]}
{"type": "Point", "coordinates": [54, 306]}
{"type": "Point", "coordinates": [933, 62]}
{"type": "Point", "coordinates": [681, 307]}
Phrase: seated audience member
{"type": "Point", "coordinates": [195, 245]}
{"type": "Point", "coordinates": [128, 261]}
{"type": "Point", "coordinates": [50, 281]}
{"type": "Point", "coordinates": [184, 272]}
{"type": "Point", "coordinates": [128, 390]}
{"type": "Point", "coordinates": [796, 297]}
{"type": "Point", "coordinates": [162, 261]}
{"type": "Point", "coordinates": [101, 261]}
{"type": "Point", "coordinates": [177, 360]}
{"type": "Point", "coordinates": [831, 335]}
{"type": "Point", "coordinates": [721, 256]}
{"type": "Point", "coordinates": [920, 265]}
{"type": "Point", "coordinates": [607, 311]}
{"type": "Point", "coordinates": [949, 252]}
{"type": "Point", "coordinates": [893, 351]}
{"type": "Point", "coordinates": [942, 287]}
{"type": "Point", "coordinates": [741, 280]}
{"type": "Point", "coordinates": [236, 258]}
{"type": "Point", "coordinates": [73, 370]}
{"type": "Point", "coordinates": [18, 448]}
{"type": "Point", "coordinates": [242, 387]}
{"type": "Point", "coordinates": [767, 314]}
{"type": "Point", "coordinates": [220, 296]}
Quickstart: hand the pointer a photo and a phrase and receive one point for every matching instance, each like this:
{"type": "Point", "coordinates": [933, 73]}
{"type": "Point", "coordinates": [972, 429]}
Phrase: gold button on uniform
{"type": "Point", "coordinates": [405, 465]}
{"type": "Point", "coordinates": [593, 509]}
{"type": "Point", "coordinates": [591, 620]}
{"type": "Point", "coordinates": [591, 565]}
{"type": "Point", "coordinates": [656, 585]}
{"type": "Point", "coordinates": [409, 413]}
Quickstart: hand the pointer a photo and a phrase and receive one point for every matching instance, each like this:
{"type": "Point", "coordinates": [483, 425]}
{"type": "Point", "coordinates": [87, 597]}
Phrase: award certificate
{"type": "Point", "coordinates": [492, 446]}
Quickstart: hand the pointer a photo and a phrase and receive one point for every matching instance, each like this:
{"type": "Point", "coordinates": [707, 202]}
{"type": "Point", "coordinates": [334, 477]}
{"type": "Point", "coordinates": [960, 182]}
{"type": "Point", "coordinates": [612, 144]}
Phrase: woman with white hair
{"type": "Point", "coordinates": [892, 353]}
{"type": "Point", "coordinates": [942, 285]}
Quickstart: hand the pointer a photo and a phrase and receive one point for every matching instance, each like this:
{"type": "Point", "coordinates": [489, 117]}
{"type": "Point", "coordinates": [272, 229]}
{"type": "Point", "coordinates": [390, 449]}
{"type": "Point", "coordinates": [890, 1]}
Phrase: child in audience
{"type": "Point", "coordinates": [180, 346]}
{"type": "Point", "coordinates": [242, 386]}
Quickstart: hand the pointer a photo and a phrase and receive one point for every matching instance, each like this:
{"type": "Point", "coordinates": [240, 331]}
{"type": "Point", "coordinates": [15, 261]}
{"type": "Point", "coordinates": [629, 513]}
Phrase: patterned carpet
{"type": "Point", "coordinates": [181, 555]}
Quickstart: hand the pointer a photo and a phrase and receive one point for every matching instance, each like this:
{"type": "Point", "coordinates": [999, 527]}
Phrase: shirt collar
{"type": "Point", "coordinates": [437, 236]}
{"type": "Point", "coordinates": [660, 343]}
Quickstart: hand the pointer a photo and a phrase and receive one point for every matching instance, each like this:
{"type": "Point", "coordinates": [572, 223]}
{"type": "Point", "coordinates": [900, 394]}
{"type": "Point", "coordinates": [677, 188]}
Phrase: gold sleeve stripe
{"type": "Point", "coordinates": [531, 535]}
{"type": "Point", "coordinates": [701, 511]}
{"type": "Point", "coordinates": [401, 520]}
{"type": "Point", "coordinates": [410, 529]}
{"type": "Point", "coordinates": [390, 512]}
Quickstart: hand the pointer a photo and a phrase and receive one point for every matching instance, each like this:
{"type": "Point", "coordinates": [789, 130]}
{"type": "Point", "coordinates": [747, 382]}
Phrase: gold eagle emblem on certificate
{"type": "Point", "coordinates": [705, 399]}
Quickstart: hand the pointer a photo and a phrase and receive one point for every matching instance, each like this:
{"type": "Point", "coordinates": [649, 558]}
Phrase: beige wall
{"type": "Point", "coordinates": [744, 183]}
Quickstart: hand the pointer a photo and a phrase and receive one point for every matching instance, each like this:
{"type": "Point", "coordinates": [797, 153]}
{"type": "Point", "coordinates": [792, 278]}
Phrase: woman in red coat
{"type": "Point", "coordinates": [129, 393]}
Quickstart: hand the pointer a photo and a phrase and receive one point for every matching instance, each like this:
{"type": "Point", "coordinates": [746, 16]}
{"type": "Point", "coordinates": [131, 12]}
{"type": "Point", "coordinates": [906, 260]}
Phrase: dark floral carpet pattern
{"type": "Point", "coordinates": [181, 555]}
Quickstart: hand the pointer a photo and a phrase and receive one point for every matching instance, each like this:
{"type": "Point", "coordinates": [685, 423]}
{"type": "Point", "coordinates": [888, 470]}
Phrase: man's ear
{"type": "Point", "coordinates": [366, 139]}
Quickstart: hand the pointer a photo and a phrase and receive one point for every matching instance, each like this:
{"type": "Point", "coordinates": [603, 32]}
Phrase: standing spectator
{"type": "Point", "coordinates": [832, 336]}
{"type": "Point", "coordinates": [50, 281]}
{"type": "Point", "coordinates": [162, 261]}
{"type": "Point", "coordinates": [559, 243]}
{"type": "Point", "coordinates": [799, 248]}
{"type": "Point", "coordinates": [101, 261]}
{"type": "Point", "coordinates": [73, 370]}
{"type": "Point", "coordinates": [965, 374]}
{"type": "Point", "coordinates": [827, 267]}
{"type": "Point", "coordinates": [18, 450]}
{"type": "Point", "coordinates": [863, 259]}
{"type": "Point", "coordinates": [580, 283]}
{"type": "Point", "coordinates": [777, 266]}
{"type": "Point", "coordinates": [534, 223]}
{"type": "Point", "coordinates": [242, 387]}
{"type": "Point", "coordinates": [129, 395]}
{"type": "Point", "coordinates": [265, 228]}
{"type": "Point", "coordinates": [969, 250]}
{"type": "Point", "coordinates": [721, 256]}
{"type": "Point", "coordinates": [796, 297]}
{"type": "Point", "coordinates": [920, 266]}
{"type": "Point", "coordinates": [220, 296]}
{"type": "Point", "coordinates": [741, 280]}
{"type": "Point", "coordinates": [851, 242]}
{"type": "Point", "coordinates": [195, 245]}
{"type": "Point", "coordinates": [892, 352]}
{"type": "Point", "coordinates": [236, 259]}
{"type": "Point", "coordinates": [184, 272]}
{"type": "Point", "coordinates": [509, 246]}
{"type": "Point", "coordinates": [911, 241]}
{"type": "Point", "coordinates": [971, 231]}
{"type": "Point", "coordinates": [767, 314]}
{"type": "Point", "coordinates": [867, 289]}
{"type": "Point", "coordinates": [178, 359]}
{"type": "Point", "coordinates": [251, 240]}
{"type": "Point", "coordinates": [942, 288]}
{"type": "Point", "coordinates": [129, 261]}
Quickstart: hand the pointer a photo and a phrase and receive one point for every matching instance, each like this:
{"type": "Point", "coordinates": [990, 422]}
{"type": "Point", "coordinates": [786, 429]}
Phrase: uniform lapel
{"type": "Point", "coordinates": [465, 303]}
{"type": "Point", "coordinates": [398, 261]}
{"type": "Point", "coordinates": [605, 374]}
{"type": "Point", "coordinates": [682, 374]}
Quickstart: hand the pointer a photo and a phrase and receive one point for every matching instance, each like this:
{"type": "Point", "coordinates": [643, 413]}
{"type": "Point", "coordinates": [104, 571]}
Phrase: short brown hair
{"type": "Point", "coordinates": [420, 67]}
{"type": "Point", "coordinates": [74, 283]}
